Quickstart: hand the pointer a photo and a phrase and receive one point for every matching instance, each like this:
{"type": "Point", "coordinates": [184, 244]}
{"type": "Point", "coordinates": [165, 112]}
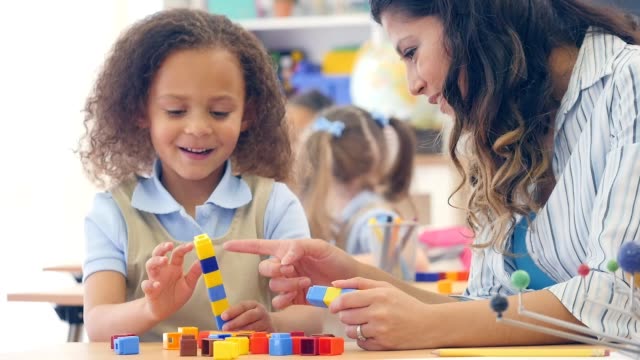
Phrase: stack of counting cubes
{"type": "Point", "coordinates": [212, 276]}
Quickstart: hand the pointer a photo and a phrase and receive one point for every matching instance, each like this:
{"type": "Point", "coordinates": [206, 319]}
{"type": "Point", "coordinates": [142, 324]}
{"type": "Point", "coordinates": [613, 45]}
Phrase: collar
{"type": "Point", "coordinates": [595, 61]}
{"type": "Point", "coordinates": [151, 196]}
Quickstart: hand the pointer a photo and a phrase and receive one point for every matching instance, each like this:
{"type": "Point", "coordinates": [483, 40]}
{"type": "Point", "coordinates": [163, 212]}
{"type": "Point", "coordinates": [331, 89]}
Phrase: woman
{"type": "Point", "coordinates": [545, 95]}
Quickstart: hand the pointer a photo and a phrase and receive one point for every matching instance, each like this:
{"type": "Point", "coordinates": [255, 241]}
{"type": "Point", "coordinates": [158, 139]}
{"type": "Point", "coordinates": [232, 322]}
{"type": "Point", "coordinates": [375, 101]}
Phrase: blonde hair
{"type": "Point", "coordinates": [358, 154]}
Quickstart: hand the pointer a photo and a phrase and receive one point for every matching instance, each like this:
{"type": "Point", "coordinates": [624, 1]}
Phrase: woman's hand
{"type": "Point", "coordinates": [296, 264]}
{"type": "Point", "coordinates": [167, 288]}
{"type": "Point", "coordinates": [389, 318]}
{"type": "Point", "coordinates": [247, 315]}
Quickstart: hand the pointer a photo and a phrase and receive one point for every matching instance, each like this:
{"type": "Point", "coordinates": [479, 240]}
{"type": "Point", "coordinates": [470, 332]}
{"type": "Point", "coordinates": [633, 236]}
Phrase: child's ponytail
{"type": "Point", "coordinates": [397, 179]}
{"type": "Point", "coordinates": [316, 172]}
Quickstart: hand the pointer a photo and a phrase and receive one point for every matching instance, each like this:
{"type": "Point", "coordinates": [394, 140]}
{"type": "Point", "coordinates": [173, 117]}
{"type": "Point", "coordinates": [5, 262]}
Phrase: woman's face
{"type": "Point", "coordinates": [419, 42]}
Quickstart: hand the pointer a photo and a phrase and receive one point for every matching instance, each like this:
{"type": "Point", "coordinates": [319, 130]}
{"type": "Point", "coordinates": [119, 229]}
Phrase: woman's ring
{"type": "Point", "coordinates": [359, 333]}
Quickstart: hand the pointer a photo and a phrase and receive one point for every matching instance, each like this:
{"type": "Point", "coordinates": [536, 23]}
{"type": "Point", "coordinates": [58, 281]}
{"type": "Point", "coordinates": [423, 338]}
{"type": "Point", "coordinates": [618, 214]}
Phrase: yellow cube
{"type": "Point", "coordinates": [204, 247]}
{"type": "Point", "coordinates": [243, 343]}
{"type": "Point", "coordinates": [331, 294]}
{"type": "Point", "coordinates": [213, 278]}
{"type": "Point", "coordinates": [219, 306]}
{"type": "Point", "coordinates": [225, 350]}
{"type": "Point", "coordinates": [188, 330]}
{"type": "Point", "coordinates": [445, 286]}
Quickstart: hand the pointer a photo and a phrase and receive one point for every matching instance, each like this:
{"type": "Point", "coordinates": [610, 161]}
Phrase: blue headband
{"type": "Point", "coordinates": [380, 118]}
{"type": "Point", "coordinates": [334, 128]}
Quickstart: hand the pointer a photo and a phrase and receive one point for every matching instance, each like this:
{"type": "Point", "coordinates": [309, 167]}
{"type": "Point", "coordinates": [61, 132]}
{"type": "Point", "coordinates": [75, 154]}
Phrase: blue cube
{"type": "Point", "coordinates": [209, 265]}
{"type": "Point", "coordinates": [219, 336]}
{"type": "Point", "coordinates": [280, 344]}
{"type": "Point", "coordinates": [315, 295]}
{"type": "Point", "coordinates": [217, 293]}
{"type": "Point", "coordinates": [127, 345]}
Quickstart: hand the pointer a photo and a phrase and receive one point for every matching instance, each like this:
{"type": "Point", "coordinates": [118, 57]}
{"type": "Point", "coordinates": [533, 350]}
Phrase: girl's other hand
{"type": "Point", "coordinates": [168, 288]}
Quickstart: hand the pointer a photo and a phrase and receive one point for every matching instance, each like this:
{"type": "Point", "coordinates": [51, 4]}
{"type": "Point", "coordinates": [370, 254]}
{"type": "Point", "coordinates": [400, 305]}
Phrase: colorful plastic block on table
{"type": "Point", "coordinates": [330, 346]}
{"type": "Point", "coordinates": [201, 336]}
{"type": "Point", "coordinates": [188, 345]}
{"type": "Point", "coordinates": [445, 286]}
{"type": "Point", "coordinates": [171, 341]}
{"type": "Point", "coordinates": [322, 296]}
{"type": "Point", "coordinates": [188, 330]}
{"type": "Point", "coordinates": [280, 344]}
{"type": "Point", "coordinates": [127, 345]}
{"type": "Point", "coordinates": [243, 343]}
{"type": "Point", "coordinates": [309, 346]}
{"type": "Point", "coordinates": [113, 337]}
{"type": "Point", "coordinates": [259, 343]}
{"type": "Point", "coordinates": [212, 276]}
{"type": "Point", "coordinates": [225, 350]}
{"type": "Point", "coordinates": [231, 345]}
{"type": "Point", "coordinates": [207, 346]}
{"type": "Point", "coordinates": [437, 276]}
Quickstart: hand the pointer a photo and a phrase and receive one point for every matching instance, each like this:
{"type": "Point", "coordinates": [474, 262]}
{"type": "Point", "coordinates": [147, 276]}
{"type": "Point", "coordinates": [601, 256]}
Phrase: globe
{"type": "Point", "coordinates": [379, 83]}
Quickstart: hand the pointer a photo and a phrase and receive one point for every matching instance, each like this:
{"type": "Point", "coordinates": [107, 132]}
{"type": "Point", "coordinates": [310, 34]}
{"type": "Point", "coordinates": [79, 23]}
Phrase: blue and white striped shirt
{"type": "Point", "coordinates": [591, 210]}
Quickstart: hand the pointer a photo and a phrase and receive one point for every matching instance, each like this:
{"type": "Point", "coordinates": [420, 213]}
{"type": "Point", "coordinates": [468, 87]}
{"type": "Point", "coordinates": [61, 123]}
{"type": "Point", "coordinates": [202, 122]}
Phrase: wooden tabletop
{"type": "Point", "coordinates": [65, 296]}
{"type": "Point", "coordinates": [74, 295]}
{"type": "Point", "coordinates": [68, 268]}
{"type": "Point", "coordinates": [154, 351]}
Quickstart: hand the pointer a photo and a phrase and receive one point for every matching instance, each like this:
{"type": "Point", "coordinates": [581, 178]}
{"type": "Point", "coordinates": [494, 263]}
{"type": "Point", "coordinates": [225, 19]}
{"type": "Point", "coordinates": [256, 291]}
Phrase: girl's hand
{"type": "Point", "coordinates": [248, 315]}
{"type": "Point", "coordinates": [389, 318]}
{"type": "Point", "coordinates": [167, 288]}
{"type": "Point", "coordinates": [296, 264]}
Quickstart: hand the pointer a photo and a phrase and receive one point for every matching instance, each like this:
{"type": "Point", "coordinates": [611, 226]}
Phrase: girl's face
{"type": "Point", "coordinates": [196, 113]}
{"type": "Point", "coordinates": [419, 42]}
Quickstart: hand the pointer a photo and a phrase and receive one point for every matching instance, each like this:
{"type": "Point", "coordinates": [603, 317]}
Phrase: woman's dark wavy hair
{"type": "Point", "coordinates": [503, 47]}
{"type": "Point", "coordinates": [115, 147]}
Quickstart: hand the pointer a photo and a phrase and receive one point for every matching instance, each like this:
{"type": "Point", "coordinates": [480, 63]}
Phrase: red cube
{"type": "Point", "coordinates": [259, 343]}
{"type": "Point", "coordinates": [330, 346]}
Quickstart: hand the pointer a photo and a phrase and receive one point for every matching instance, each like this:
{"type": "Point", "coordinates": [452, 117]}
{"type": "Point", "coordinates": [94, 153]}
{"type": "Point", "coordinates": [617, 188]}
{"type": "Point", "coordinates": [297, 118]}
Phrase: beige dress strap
{"type": "Point", "coordinates": [239, 271]}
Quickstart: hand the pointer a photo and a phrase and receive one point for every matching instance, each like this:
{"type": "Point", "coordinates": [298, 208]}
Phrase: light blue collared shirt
{"type": "Point", "coordinates": [106, 231]}
{"type": "Point", "coordinates": [361, 238]}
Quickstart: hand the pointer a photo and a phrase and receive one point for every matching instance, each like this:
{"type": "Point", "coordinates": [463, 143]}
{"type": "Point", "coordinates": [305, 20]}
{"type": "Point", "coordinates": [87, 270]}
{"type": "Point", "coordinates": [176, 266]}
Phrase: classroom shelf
{"type": "Point", "coordinates": [307, 22]}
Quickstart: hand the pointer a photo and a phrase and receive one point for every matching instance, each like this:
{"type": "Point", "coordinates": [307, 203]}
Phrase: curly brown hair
{"type": "Point", "coordinates": [503, 47]}
{"type": "Point", "coordinates": [114, 146]}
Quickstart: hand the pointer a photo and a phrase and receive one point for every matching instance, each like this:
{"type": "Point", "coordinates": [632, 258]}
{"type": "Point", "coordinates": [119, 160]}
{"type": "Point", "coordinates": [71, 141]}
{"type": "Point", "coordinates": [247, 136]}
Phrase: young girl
{"type": "Point", "coordinates": [344, 176]}
{"type": "Point", "coordinates": [185, 126]}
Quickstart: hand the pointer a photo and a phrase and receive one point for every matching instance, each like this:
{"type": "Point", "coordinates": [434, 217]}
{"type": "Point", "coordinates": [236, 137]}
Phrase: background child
{"type": "Point", "coordinates": [302, 109]}
{"type": "Point", "coordinates": [185, 123]}
{"type": "Point", "coordinates": [344, 176]}
{"type": "Point", "coordinates": [397, 173]}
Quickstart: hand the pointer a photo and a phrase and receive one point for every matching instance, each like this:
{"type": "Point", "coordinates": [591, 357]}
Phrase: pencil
{"type": "Point", "coordinates": [531, 352]}
{"type": "Point", "coordinates": [397, 222]}
{"type": "Point", "coordinates": [376, 229]}
{"type": "Point", "coordinates": [387, 221]}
